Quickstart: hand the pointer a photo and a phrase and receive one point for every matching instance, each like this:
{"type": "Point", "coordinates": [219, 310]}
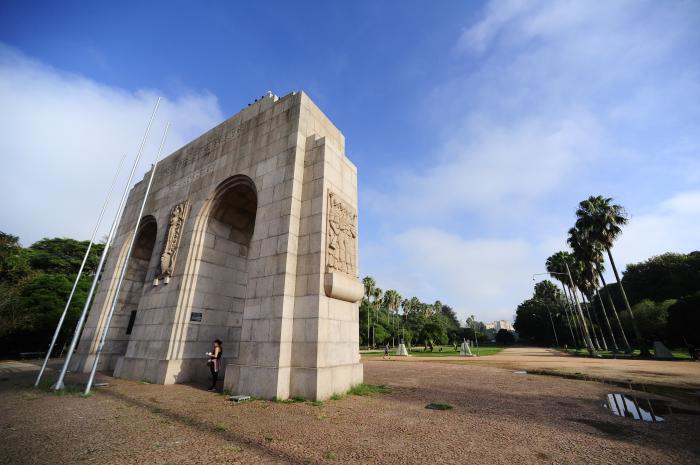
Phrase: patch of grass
{"type": "Point", "coordinates": [45, 386]}
{"type": "Point", "coordinates": [447, 351]}
{"type": "Point", "coordinates": [231, 448]}
{"type": "Point", "coordinates": [361, 390]}
{"type": "Point", "coordinates": [268, 438]}
{"type": "Point", "coordinates": [226, 392]}
{"type": "Point", "coordinates": [438, 406]}
{"type": "Point", "coordinates": [330, 456]}
{"type": "Point", "coordinates": [186, 419]}
{"type": "Point", "coordinates": [317, 403]}
{"type": "Point", "coordinates": [368, 389]}
{"type": "Point", "coordinates": [291, 400]}
{"type": "Point", "coordinates": [145, 381]}
{"type": "Point", "coordinates": [220, 428]}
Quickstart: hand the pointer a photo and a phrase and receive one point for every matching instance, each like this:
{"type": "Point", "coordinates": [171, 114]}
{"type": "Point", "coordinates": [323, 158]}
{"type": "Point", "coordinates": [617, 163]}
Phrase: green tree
{"type": "Point", "coordinates": [34, 286]}
{"type": "Point", "coordinates": [683, 326]}
{"type": "Point", "coordinates": [503, 336]}
{"type": "Point", "coordinates": [563, 266]}
{"type": "Point", "coordinates": [602, 222]}
{"type": "Point", "coordinates": [651, 318]}
{"type": "Point", "coordinates": [666, 276]}
{"type": "Point", "coordinates": [588, 253]}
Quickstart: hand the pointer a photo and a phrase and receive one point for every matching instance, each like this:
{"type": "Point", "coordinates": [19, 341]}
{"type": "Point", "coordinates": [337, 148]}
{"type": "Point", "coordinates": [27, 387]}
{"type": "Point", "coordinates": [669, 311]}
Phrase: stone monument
{"type": "Point", "coordinates": [465, 350]}
{"type": "Point", "coordinates": [401, 351]}
{"type": "Point", "coordinates": [661, 352]}
{"type": "Point", "coordinates": [250, 237]}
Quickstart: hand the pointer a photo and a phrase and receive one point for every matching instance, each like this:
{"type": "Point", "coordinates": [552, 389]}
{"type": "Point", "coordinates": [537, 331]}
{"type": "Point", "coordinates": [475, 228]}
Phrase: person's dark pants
{"type": "Point", "coordinates": [214, 376]}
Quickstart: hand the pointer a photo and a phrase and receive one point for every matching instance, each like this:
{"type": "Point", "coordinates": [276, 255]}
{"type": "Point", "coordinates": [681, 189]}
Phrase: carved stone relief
{"type": "Point", "coordinates": [341, 244]}
{"type": "Point", "coordinates": [172, 240]}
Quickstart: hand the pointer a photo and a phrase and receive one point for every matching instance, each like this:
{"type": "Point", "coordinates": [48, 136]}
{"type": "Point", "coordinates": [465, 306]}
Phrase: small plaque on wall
{"type": "Point", "coordinates": [196, 316]}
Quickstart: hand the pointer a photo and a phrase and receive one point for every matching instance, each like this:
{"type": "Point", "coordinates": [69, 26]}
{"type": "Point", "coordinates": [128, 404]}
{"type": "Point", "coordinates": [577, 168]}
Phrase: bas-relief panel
{"type": "Point", "coordinates": [341, 243]}
{"type": "Point", "coordinates": [172, 241]}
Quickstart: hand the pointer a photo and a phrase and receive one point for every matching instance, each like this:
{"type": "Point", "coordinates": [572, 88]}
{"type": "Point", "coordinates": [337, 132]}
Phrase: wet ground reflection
{"type": "Point", "coordinates": [632, 407]}
{"type": "Point", "coordinates": [642, 408]}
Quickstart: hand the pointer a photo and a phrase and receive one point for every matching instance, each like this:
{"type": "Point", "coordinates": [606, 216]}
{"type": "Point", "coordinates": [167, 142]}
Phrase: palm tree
{"type": "Point", "coordinates": [392, 300]}
{"type": "Point", "coordinates": [557, 270]}
{"type": "Point", "coordinates": [561, 264]}
{"type": "Point", "coordinates": [377, 294]}
{"type": "Point", "coordinates": [579, 275]}
{"type": "Point", "coordinates": [590, 256]}
{"type": "Point", "coordinates": [591, 251]}
{"type": "Point", "coordinates": [602, 221]}
{"type": "Point", "coordinates": [369, 284]}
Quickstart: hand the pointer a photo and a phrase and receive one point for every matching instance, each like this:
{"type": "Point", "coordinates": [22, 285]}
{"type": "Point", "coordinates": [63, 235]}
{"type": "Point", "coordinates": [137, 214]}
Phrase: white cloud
{"type": "Point", "coordinates": [556, 101]}
{"type": "Point", "coordinates": [670, 226]}
{"type": "Point", "coordinates": [61, 138]}
{"type": "Point", "coordinates": [434, 263]}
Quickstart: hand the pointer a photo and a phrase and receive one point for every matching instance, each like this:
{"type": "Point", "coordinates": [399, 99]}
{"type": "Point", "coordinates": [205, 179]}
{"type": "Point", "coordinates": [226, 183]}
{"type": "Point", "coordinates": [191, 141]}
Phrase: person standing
{"type": "Point", "coordinates": [214, 362]}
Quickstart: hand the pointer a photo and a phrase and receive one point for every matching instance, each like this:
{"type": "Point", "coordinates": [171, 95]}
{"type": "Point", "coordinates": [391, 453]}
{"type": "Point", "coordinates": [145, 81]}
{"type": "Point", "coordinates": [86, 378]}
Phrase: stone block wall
{"type": "Point", "coordinates": [264, 292]}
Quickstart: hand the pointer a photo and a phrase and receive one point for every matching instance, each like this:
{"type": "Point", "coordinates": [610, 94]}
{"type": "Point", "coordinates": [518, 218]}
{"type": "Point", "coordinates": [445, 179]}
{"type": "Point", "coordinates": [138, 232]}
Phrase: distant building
{"type": "Point", "coordinates": [500, 324]}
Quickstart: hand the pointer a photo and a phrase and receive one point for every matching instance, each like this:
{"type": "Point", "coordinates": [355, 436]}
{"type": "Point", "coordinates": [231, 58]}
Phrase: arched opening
{"type": "Point", "coordinates": [133, 286]}
{"type": "Point", "coordinates": [222, 275]}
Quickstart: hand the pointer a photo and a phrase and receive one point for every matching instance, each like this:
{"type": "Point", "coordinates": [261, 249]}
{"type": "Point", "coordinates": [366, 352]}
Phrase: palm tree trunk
{"type": "Point", "coordinates": [572, 321]}
{"type": "Point", "coordinates": [591, 310]}
{"type": "Point", "coordinates": [589, 343]}
{"type": "Point", "coordinates": [576, 317]}
{"type": "Point", "coordinates": [586, 334]}
{"type": "Point", "coordinates": [571, 329]}
{"type": "Point", "coordinates": [628, 348]}
{"type": "Point", "coordinates": [587, 313]}
{"type": "Point", "coordinates": [368, 309]}
{"type": "Point", "coordinates": [644, 351]}
{"type": "Point", "coordinates": [607, 322]}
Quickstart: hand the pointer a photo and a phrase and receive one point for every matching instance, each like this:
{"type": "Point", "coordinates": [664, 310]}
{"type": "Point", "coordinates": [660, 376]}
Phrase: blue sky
{"type": "Point", "coordinates": [476, 126]}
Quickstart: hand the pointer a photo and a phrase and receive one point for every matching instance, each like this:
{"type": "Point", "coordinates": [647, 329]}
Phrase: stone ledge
{"type": "Point", "coordinates": [343, 287]}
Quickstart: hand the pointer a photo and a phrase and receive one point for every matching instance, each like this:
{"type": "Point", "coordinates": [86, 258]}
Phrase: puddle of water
{"type": "Point", "coordinates": [684, 395]}
{"type": "Point", "coordinates": [632, 407]}
{"type": "Point", "coordinates": [643, 408]}
{"type": "Point", "coordinates": [520, 372]}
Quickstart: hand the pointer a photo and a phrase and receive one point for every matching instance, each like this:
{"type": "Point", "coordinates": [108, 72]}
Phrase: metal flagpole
{"type": "Point", "coordinates": [115, 298]}
{"type": "Point", "coordinates": [79, 325]}
{"type": "Point", "coordinates": [80, 272]}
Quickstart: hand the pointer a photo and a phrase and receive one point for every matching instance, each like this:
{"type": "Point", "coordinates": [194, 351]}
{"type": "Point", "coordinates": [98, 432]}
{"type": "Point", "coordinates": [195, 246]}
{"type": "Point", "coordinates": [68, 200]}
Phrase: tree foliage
{"type": "Point", "coordinates": [534, 317]}
{"type": "Point", "coordinates": [35, 283]}
{"type": "Point", "coordinates": [385, 317]}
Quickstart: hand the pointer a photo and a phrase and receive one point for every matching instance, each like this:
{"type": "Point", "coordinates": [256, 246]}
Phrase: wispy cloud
{"type": "Point", "coordinates": [62, 135]}
{"type": "Point", "coordinates": [555, 101]}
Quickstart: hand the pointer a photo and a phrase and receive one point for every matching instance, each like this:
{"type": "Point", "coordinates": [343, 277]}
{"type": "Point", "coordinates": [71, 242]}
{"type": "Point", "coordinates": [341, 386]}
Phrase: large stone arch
{"type": "Point", "coordinates": [210, 304]}
{"type": "Point", "coordinates": [132, 289]}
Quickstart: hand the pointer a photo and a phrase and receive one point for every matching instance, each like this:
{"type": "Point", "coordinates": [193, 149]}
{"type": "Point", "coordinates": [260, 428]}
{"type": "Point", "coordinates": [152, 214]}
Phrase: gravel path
{"type": "Point", "coordinates": [498, 417]}
{"type": "Point", "coordinates": [680, 373]}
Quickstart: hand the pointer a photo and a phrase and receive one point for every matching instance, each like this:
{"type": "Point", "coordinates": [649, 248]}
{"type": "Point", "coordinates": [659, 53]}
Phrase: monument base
{"type": "Point", "coordinates": [282, 383]}
{"type": "Point", "coordinates": [661, 352]}
{"type": "Point", "coordinates": [401, 351]}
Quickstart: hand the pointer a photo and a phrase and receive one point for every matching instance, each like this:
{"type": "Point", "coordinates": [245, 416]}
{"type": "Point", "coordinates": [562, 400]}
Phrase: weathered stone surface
{"type": "Point", "coordinates": [259, 212]}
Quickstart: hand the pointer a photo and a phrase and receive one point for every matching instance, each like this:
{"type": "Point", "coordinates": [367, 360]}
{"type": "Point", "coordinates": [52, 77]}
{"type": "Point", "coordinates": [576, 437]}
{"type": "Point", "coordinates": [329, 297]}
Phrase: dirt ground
{"type": "Point", "coordinates": [681, 374]}
{"type": "Point", "coordinates": [498, 417]}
